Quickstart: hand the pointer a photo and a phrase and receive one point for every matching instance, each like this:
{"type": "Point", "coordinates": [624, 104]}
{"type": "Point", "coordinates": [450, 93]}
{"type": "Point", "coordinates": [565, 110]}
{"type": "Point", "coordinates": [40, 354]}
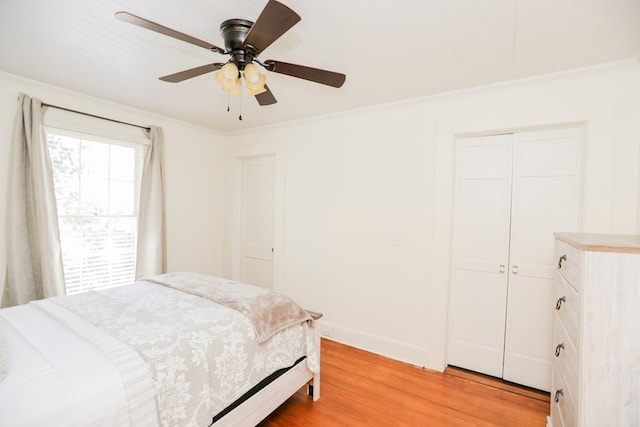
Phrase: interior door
{"type": "Point", "coordinates": [257, 220]}
{"type": "Point", "coordinates": [546, 199]}
{"type": "Point", "coordinates": [481, 250]}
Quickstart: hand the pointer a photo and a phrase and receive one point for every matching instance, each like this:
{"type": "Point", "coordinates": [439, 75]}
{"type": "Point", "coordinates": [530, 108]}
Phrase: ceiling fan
{"type": "Point", "coordinates": [244, 41]}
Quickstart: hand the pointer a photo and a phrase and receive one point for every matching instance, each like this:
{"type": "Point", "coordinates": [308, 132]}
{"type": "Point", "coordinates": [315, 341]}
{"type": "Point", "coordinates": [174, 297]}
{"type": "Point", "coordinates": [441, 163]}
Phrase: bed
{"type": "Point", "coordinates": [180, 349]}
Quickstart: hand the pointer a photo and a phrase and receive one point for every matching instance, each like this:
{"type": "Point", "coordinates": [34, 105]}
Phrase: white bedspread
{"type": "Point", "coordinates": [141, 354]}
{"type": "Point", "coordinates": [56, 377]}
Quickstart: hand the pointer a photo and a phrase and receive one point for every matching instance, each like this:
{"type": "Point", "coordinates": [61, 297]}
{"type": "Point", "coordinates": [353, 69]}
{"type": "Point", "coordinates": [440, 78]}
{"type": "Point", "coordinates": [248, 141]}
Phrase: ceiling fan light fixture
{"type": "Point", "coordinates": [227, 78]}
{"type": "Point", "coordinates": [256, 91]}
{"type": "Point", "coordinates": [230, 71]}
{"type": "Point", "coordinates": [251, 73]}
{"type": "Point", "coordinates": [255, 79]}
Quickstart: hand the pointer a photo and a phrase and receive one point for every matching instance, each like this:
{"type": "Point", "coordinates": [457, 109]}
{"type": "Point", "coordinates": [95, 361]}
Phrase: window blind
{"type": "Point", "coordinates": [97, 186]}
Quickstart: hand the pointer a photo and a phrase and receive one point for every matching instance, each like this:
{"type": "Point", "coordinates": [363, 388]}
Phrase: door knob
{"type": "Point", "coordinates": [515, 269]}
{"type": "Point", "coordinates": [502, 268]}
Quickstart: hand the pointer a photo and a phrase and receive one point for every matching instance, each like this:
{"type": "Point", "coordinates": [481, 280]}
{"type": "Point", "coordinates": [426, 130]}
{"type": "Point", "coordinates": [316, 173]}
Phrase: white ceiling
{"type": "Point", "coordinates": [389, 50]}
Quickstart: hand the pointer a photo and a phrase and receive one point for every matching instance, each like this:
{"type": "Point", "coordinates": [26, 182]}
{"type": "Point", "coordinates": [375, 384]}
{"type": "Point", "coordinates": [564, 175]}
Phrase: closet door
{"type": "Point", "coordinates": [546, 171]}
{"type": "Point", "coordinates": [481, 250]}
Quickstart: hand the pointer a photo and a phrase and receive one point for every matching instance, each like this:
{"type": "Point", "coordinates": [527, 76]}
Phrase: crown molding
{"type": "Point", "coordinates": [94, 105]}
{"type": "Point", "coordinates": [576, 73]}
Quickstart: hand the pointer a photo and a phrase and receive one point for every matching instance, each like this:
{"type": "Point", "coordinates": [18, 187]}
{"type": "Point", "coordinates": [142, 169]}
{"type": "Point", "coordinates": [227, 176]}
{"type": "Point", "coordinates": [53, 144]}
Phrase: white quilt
{"type": "Point", "coordinates": [141, 354]}
{"type": "Point", "coordinates": [56, 376]}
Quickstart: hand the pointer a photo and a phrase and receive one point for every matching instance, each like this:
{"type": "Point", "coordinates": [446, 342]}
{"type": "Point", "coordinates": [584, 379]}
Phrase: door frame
{"type": "Point", "coordinates": [236, 156]}
{"type": "Point", "coordinates": [582, 126]}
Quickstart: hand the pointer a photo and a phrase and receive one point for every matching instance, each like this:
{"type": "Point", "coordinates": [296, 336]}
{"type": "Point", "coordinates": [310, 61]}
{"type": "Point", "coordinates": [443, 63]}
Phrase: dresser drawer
{"type": "Point", "coordinates": [565, 358]}
{"type": "Point", "coordinates": [568, 308]}
{"type": "Point", "coordinates": [568, 262]}
{"type": "Point", "coordinates": [563, 411]}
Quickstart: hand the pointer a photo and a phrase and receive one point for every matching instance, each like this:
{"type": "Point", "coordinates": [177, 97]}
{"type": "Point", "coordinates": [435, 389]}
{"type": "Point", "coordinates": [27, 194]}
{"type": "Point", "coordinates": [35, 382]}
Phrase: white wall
{"type": "Point", "coordinates": [353, 185]}
{"type": "Point", "coordinates": [195, 174]}
{"type": "Point", "coordinates": [357, 183]}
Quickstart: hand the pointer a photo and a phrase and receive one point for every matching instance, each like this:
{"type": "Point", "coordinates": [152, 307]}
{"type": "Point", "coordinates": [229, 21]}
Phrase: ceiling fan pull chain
{"type": "Point", "coordinates": [240, 116]}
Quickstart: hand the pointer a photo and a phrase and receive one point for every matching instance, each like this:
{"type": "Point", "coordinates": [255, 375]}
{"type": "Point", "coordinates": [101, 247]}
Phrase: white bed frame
{"type": "Point", "coordinates": [260, 405]}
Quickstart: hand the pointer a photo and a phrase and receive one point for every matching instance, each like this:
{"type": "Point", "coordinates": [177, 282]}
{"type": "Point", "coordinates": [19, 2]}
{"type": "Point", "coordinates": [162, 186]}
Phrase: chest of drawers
{"type": "Point", "coordinates": [596, 331]}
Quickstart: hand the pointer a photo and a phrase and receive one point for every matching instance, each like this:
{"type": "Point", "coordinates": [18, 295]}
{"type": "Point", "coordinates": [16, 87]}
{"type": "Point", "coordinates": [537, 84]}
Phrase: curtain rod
{"type": "Point", "coordinates": [147, 128]}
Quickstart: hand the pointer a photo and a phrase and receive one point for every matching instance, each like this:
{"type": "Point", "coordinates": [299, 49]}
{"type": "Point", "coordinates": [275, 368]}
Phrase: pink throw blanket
{"type": "Point", "coordinates": [269, 312]}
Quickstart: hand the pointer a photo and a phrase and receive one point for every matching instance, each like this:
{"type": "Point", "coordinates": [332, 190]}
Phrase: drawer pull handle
{"type": "Point", "coordinates": [562, 258]}
{"type": "Point", "coordinates": [559, 393]}
{"type": "Point", "coordinates": [559, 348]}
{"type": "Point", "coordinates": [559, 302]}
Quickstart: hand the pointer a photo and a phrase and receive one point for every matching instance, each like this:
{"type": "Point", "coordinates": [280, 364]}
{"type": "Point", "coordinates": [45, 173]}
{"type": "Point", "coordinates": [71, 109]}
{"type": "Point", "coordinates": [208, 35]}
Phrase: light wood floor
{"type": "Point", "coordinates": [363, 389]}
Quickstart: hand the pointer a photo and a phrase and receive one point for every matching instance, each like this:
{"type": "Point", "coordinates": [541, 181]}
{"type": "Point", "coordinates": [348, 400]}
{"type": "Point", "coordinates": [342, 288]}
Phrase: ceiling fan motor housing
{"type": "Point", "coordinates": [234, 32]}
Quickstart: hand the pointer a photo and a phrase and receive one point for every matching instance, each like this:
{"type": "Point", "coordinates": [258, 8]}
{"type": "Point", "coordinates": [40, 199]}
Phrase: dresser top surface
{"type": "Point", "coordinates": [627, 243]}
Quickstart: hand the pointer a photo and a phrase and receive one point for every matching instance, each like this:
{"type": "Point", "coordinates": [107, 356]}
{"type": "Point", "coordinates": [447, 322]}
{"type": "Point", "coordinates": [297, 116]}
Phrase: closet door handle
{"type": "Point", "coordinates": [515, 269]}
{"type": "Point", "coordinates": [559, 348]}
{"type": "Point", "coordinates": [502, 268]}
{"type": "Point", "coordinates": [559, 302]}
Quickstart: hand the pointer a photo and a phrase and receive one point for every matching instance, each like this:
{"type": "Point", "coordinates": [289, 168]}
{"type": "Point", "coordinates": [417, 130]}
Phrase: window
{"type": "Point", "coordinates": [97, 185]}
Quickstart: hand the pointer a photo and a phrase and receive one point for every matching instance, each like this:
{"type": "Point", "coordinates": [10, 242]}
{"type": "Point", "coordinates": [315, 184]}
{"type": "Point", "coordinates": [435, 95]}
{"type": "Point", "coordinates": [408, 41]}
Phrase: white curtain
{"type": "Point", "coordinates": [151, 253]}
{"type": "Point", "coordinates": [34, 256]}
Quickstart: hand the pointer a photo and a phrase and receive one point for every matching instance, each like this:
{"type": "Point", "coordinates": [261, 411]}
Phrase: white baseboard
{"type": "Point", "coordinates": [403, 352]}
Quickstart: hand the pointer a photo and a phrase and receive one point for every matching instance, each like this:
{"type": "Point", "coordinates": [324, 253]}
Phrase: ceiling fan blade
{"type": "Point", "coordinates": [324, 77]}
{"type": "Point", "coordinates": [266, 98]}
{"type": "Point", "coordinates": [153, 26]}
{"type": "Point", "coordinates": [193, 72]}
{"type": "Point", "coordinates": [275, 20]}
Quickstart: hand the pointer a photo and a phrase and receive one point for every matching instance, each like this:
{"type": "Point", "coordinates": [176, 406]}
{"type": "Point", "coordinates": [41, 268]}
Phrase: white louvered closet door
{"type": "Point", "coordinates": [500, 314]}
